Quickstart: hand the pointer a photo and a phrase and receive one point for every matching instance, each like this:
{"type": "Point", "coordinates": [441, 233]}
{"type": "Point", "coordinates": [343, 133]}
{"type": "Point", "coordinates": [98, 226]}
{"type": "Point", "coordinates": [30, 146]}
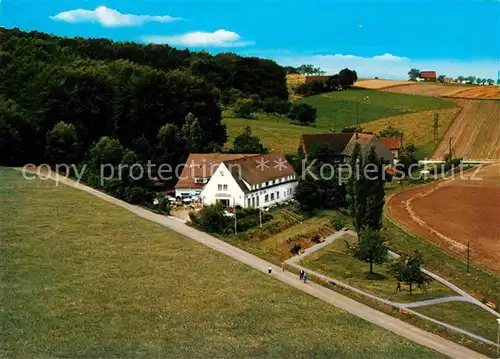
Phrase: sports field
{"type": "Point", "coordinates": [83, 278]}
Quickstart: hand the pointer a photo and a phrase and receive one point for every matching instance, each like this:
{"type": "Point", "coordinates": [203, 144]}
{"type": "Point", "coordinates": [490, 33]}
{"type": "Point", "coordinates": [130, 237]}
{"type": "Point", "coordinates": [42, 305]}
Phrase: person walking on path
{"type": "Point", "coordinates": [305, 277]}
{"type": "Point", "coordinates": [301, 274]}
{"type": "Point", "coordinates": [398, 287]}
{"type": "Point", "coordinates": [269, 270]}
{"type": "Point", "coordinates": [282, 266]}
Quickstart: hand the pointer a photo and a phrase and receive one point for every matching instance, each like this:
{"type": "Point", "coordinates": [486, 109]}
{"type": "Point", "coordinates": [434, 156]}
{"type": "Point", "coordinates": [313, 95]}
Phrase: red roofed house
{"type": "Point", "coordinates": [394, 144]}
{"type": "Point", "coordinates": [250, 180]}
{"type": "Point", "coordinates": [428, 76]}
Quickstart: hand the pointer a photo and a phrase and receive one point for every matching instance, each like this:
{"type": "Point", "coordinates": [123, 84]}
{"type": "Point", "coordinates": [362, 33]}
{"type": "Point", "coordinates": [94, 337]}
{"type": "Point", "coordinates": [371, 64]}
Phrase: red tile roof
{"type": "Point", "coordinates": [392, 143]}
{"type": "Point", "coordinates": [203, 165]}
{"type": "Point", "coordinates": [427, 74]}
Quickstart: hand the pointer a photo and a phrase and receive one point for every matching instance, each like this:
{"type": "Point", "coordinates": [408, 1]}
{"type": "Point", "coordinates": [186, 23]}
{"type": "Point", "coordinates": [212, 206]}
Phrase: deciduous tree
{"type": "Point", "coordinates": [407, 269]}
{"type": "Point", "coordinates": [370, 248]}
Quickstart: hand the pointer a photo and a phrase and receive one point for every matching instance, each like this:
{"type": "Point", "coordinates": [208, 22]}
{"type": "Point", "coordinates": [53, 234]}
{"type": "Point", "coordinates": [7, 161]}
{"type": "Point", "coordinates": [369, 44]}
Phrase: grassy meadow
{"type": "Point", "coordinates": [337, 110]}
{"type": "Point", "coordinates": [333, 261]}
{"type": "Point", "coordinates": [417, 127]}
{"type": "Point", "coordinates": [465, 315]}
{"type": "Point", "coordinates": [82, 278]}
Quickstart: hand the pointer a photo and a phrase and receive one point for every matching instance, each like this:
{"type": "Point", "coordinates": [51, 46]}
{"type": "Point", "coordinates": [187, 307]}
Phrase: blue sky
{"type": "Point", "coordinates": [376, 38]}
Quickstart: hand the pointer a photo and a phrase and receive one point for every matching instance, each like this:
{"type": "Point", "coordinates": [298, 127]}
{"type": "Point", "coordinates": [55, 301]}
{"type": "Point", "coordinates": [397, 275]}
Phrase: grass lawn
{"type": "Point", "coordinates": [335, 263]}
{"type": "Point", "coordinates": [338, 109]}
{"type": "Point", "coordinates": [276, 132]}
{"type": "Point", "coordinates": [479, 282]}
{"type": "Point", "coordinates": [465, 315]}
{"type": "Point", "coordinates": [417, 128]}
{"type": "Point", "coordinates": [82, 278]}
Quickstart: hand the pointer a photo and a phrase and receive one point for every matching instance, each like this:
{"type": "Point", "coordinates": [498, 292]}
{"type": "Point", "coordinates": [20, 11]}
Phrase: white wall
{"type": "Point", "coordinates": [222, 176]}
{"type": "Point", "coordinates": [286, 193]}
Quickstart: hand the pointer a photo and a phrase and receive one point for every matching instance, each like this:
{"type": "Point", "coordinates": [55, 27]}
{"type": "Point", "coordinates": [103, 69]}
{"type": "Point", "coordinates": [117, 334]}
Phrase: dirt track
{"type": "Point", "coordinates": [475, 132]}
{"type": "Point", "coordinates": [450, 213]}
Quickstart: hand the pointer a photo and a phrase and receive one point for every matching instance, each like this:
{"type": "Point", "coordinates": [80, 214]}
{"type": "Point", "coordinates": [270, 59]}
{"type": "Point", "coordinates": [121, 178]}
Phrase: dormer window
{"type": "Point", "coordinates": [202, 180]}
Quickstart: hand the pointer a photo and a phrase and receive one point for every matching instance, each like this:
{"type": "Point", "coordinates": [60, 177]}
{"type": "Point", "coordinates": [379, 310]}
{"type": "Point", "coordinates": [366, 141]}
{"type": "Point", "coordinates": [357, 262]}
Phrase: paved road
{"type": "Point", "coordinates": [399, 327]}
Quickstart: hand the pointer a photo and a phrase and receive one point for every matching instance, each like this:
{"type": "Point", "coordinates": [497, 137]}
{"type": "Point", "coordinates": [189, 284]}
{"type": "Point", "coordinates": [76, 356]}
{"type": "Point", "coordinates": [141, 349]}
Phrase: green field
{"type": "Point", "coordinates": [83, 278]}
{"type": "Point", "coordinates": [465, 315]}
{"type": "Point", "coordinates": [276, 132]}
{"type": "Point", "coordinates": [335, 263]}
{"type": "Point", "coordinates": [339, 109]}
{"type": "Point", "coordinates": [335, 111]}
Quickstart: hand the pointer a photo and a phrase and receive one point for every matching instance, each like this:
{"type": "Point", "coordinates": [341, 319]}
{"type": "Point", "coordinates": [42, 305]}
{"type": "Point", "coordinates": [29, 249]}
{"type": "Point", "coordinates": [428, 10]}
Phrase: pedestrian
{"type": "Point", "coordinates": [305, 277]}
{"type": "Point", "coordinates": [282, 266]}
{"type": "Point", "coordinates": [398, 287]}
{"type": "Point", "coordinates": [269, 270]}
{"type": "Point", "coordinates": [301, 274]}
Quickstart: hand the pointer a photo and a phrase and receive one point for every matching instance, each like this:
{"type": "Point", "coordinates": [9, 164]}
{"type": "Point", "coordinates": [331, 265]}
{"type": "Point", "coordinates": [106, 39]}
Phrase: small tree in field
{"type": "Point", "coordinates": [243, 107]}
{"type": "Point", "coordinates": [303, 113]}
{"type": "Point", "coordinates": [407, 269]}
{"type": "Point", "coordinates": [371, 248]}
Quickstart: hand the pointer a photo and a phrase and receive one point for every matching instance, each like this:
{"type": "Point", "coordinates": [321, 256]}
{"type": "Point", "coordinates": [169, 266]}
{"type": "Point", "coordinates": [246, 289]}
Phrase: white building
{"type": "Point", "coordinates": [248, 181]}
{"type": "Point", "coordinates": [198, 170]}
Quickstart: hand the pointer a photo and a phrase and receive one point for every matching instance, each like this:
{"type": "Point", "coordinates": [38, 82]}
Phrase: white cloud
{"type": "Point", "coordinates": [109, 17]}
{"type": "Point", "coordinates": [390, 66]}
{"type": "Point", "coordinates": [219, 38]}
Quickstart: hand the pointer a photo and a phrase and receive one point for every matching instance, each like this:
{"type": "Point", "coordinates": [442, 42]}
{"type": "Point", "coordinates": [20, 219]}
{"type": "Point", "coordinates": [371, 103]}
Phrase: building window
{"type": "Point", "coordinates": [219, 187]}
{"type": "Point", "coordinates": [266, 198]}
{"type": "Point", "coordinates": [249, 202]}
{"type": "Point", "coordinates": [278, 195]}
{"type": "Point", "coordinates": [257, 201]}
{"type": "Point", "coordinates": [224, 187]}
{"type": "Point", "coordinates": [272, 196]}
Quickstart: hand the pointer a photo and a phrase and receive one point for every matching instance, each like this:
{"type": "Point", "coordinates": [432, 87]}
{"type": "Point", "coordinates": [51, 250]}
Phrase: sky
{"type": "Point", "coordinates": [375, 38]}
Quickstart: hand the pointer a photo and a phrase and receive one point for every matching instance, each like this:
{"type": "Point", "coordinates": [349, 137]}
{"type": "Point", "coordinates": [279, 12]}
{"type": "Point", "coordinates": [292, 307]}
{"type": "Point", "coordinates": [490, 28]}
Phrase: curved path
{"type": "Point", "coordinates": [463, 296]}
{"type": "Point", "coordinates": [385, 321]}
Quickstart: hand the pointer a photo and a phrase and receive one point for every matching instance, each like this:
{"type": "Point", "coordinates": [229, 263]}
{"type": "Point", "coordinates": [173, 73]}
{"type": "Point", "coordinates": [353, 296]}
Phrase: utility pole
{"type": "Point", "coordinates": [235, 220]}
{"type": "Point", "coordinates": [357, 111]}
{"type": "Point", "coordinates": [260, 217]}
{"type": "Point", "coordinates": [450, 149]}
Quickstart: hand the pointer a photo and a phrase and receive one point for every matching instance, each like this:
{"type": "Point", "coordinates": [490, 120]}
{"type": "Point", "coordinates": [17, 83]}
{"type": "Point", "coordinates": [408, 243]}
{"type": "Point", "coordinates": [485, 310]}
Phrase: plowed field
{"type": "Point", "coordinates": [455, 91]}
{"type": "Point", "coordinates": [475, 133]}
{"type": "Point", "coordinates": [452, 212]}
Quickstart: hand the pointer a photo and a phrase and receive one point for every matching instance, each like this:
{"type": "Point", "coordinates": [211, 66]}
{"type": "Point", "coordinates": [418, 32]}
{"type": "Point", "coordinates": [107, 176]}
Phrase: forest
{"type": "Point", "coordinates": [76, 100]}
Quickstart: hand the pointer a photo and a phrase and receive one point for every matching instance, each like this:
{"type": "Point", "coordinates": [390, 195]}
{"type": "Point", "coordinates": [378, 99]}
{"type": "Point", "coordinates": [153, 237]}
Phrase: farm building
{"type": "Point", "coordinates": [255, 180]}
{"type": "Point", "coordinates": [198, 170]}
{"type": "Point", "coordinates": [429, 76]}
{"type": "Point", "coordinates": [394, 144]}
{"type": "Point", "coordinates": [343, 145]}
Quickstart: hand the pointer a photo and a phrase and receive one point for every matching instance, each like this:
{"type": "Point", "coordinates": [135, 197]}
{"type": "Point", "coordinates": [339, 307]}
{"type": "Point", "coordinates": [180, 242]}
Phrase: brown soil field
{"type": "Point", "coordinates": [377, 84]}
{"type": "Point", "coordinates": [452, 212]}
{"type": "Point", "coordinates": [454, 91]}
{"type": "Point", "coordinates": [475, 132]}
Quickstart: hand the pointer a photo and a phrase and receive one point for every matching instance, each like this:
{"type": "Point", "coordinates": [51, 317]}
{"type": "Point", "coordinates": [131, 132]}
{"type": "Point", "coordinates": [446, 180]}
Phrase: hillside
{"type": "Point", "coordinates": [417, 127]}
{"type": "Point", "coordinates": [339, 109]}
{"type": "Point", "coordinates": [449, 90]}
{"type": "Point", "coordinates": [475, 133]}
{"type": "Point", "coordinates": [275, 132]}
{"type": "Point", "coordinates": [93, 280]}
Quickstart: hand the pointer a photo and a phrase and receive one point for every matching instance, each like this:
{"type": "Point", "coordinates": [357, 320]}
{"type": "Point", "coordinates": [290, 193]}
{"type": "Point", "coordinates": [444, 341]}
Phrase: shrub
{"type": "Point", "coordinates": [295, 249]}
{"type": "Point", "coordinates": [212, 219]}
{"type": "Point", "coordinates": [338, 224]}
{"type": "Point", "coordinates": [303, 113]}
{"type": "Point", "coordinates": [243, 107]}
{"type": "Point", "coordinates": [316, 239]}
{"type": "Point", "coordinates": [164, 206]}
{"type": "Point", "coordinates": [137, 195]}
